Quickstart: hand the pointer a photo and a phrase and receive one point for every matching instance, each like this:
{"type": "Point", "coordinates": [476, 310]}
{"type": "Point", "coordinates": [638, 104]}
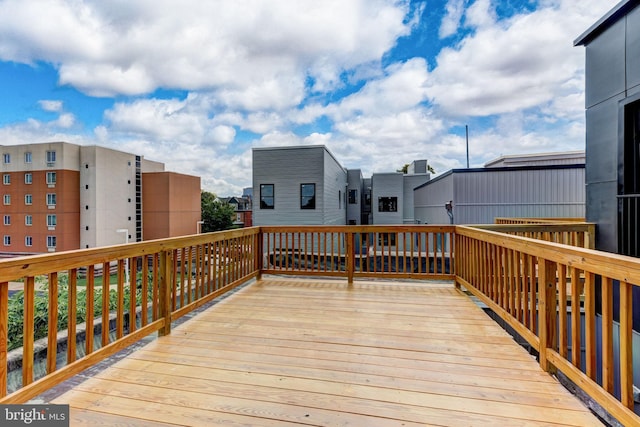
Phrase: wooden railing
{"type": "Point", "coordinates": [503, 220]}
{"type": "Point", "coordinates": [542, 290]}
{"type": "Point", "coordinates": [165, 280]}
{"type": "Point", "coordinates": [408, 251]}
{"type": "Point", "coordinates": [574, 233]}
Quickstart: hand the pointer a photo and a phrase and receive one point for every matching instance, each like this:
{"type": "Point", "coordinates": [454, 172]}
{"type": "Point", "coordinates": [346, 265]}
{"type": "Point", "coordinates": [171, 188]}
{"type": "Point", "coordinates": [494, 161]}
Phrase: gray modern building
{"type": "Point", "coordinates": [612, 101]}
{"type": "Point", "coordinates": [298, 185]}
{"type": "Point", "coordinates": [534, 185]}
{"type": "Point", "coordinates": [306, 185]}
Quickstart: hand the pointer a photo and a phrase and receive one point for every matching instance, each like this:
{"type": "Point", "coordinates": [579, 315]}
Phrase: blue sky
{"type": "Point", "coordinates": [197, 84]}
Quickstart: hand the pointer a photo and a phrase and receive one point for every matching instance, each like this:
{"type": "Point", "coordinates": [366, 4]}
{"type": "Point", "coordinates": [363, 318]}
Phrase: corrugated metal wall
{"type": "Point", "coordinates": [429, 200]}
{"type": "Point", "coordinates": [481, 195]}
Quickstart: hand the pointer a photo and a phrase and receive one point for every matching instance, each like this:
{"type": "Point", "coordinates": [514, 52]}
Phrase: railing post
{"type": "Point", "coordinates": [164, 292]}
{"type": "Point", "coordinates": [547, 312]}
{"type": "Point", "coordinates": [259, 253]}
{"type": "Point", "coordinates": [351, 258]}
{"type": "Point", "coordinates": [4, 334]}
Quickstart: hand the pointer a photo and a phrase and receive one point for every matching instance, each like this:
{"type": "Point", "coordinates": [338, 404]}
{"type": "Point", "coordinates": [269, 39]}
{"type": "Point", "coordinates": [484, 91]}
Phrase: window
{"type": "Point", "coordinates": [6, 179]}
{"type": "Point", "coordinates": [28, 178]}
{"type": "Point", "coordinates": [7, 199]}
{"type": "Point", "coordinates": [51, 199]}
{"type": "Point", "coordinates": [6, 158]}
{"type": "Point", "coordinates": [28, 241]}
{"type": "Point", "coordinates": [28, 199]}
{"type": "Point", "coordinates": [387, 204]}
{"type": "Point", "coordinates": [27, 157]}
{"type": "Point", "coordinates": [28, 220]}
{"type": "Point", "coordinates": [51, 178]}
{"type": "Point", "coordinates": [51, 241]}
{"type": "Point", "coordinates": [339, 199]}
{"type": "Point", "coordinates": [267, 198]}
{"type": "Point", "coordinates": [7, 240]}
{"type": "Point", "coordinates": [307, 196]}
{"type": "Point", "coordinates": [51, 220]}
{"type": "Point", "coordinates": [51, 157]}
{"type": "Point", "coordinates": [353, 197]}
{"type": "Point", "coordinates": [7, 220]}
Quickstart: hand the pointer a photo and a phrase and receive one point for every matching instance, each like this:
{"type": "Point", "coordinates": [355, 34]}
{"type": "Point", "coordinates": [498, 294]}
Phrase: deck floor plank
{"type": "Point", "coordinates": [318, 352]}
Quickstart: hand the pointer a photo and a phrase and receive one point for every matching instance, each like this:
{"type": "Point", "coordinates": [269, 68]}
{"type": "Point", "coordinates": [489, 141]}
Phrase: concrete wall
{"type": "Point", "coordinates": [110, 177]}
{"type": "Point", "coordinates": [171, 204]}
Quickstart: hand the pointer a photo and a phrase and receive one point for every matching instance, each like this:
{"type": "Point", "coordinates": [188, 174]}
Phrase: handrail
{"type": "Point", "coordinates": [540, 288]}
{"type": "Point", "coordinates": [169, 278]}
{"type": "Point", "coordinates": [573, 233]}
{"type": "Point", "coordinates": [535, 285]}
{"type": "Point", "coordinates": [406, 251]}
{"type": "Point", "coordinates": [506, 220]}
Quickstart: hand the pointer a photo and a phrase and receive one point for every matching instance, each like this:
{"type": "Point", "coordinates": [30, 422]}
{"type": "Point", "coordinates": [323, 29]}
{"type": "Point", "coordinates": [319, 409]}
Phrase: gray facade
{"type": "Point", "coordinates": [387, 206]}
{"type": "Point", "coordinates": [481, 195]}
{"type": "Point", "coordinates": [410, 182]}
{"type": "Point", "coordinates": [612, 102]}
{"type": "Point", "coordinates": [355, 196]}
{"type": "Point", "coordinates": [290, 171]}
{"type": "Point", "coordinates": [341, 196]}
{"type": "Point", "coordinates": [612, 90]}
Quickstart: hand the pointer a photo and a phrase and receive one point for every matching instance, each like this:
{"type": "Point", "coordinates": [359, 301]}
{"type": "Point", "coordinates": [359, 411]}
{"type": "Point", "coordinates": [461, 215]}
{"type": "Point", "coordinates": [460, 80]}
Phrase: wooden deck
{"type": "Point", "coordinates": [285, 352]}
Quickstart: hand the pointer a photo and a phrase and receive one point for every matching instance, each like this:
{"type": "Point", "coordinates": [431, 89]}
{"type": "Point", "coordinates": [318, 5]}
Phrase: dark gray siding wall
{"type": "Point", "coordinates": [612, 77]}
{"type": "Point", "coordinates": [387, 185]}
{"type": "Point", "coordinates": [355, 182]}
{"type": "Point", "coordinates": [287, 168]}
{"type": "Point", "coordinates": [334, 191]}
{"type": "Point", "coordinates": [429, 200]}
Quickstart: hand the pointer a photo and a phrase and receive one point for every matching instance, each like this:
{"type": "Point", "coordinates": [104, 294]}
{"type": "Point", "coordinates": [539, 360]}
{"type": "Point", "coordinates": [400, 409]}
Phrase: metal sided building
{"type": "Point", "coordinates": [302, 185]}
{"type": "Point", "coordinates": [480, 195]}
{"type": "Point", "coordinates": [612, 101]}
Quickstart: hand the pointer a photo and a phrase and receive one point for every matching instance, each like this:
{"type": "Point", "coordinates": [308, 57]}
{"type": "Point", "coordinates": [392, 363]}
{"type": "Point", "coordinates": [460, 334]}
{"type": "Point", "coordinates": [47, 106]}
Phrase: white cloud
{"type": "Point", "coordinates": [50, 105]}
{"type": "Point", "coordinates": [454, 10]}
{"type": "Point", "coordinates": [515, 64]}
{"type": "Point", "coordinates": [256, 53]}
{"type": "Point", "coordinates": [247, 67]}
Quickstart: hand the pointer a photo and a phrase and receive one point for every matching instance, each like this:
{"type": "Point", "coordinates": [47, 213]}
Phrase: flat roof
{"type": "Point", "coordinates": [610, 18]}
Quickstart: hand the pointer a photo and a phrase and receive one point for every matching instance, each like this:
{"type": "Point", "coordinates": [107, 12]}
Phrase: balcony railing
{"type": "Point", "coordinates": [541, 289]}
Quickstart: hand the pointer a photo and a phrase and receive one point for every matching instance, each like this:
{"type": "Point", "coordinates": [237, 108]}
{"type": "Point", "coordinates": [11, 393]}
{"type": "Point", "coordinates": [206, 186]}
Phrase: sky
{"type": "Point", "coordinates": [197, 84]}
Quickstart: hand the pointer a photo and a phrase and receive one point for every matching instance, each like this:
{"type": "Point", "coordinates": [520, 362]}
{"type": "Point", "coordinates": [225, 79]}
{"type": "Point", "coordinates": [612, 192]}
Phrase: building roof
{"type": "Point", "coordinates": [537, 159]}
{"type": "Point", "coordinates": [301, 147]}
{"type": "Point", "coordinates": [610, 18]}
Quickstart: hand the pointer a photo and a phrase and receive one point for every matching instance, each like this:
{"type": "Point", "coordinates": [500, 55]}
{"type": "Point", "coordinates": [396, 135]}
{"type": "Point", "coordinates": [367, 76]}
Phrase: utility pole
{"type": "Point", "coordinates": [466, 130]}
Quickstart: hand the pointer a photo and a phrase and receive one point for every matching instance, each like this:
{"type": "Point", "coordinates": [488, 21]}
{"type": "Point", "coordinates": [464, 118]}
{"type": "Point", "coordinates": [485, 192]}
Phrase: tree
{"type": "Point", "coordinates": [216, 215]}
{"type": "Point", "coordinates": [405, 169]}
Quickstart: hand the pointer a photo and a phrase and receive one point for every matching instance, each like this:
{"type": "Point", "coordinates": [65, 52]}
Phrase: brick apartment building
{"type": "Point", "coordinates": [59, 196]}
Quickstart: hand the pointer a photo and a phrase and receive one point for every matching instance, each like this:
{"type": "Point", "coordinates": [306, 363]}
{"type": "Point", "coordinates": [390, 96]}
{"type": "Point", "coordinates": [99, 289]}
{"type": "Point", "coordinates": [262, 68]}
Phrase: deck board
{"type": "Point", "coordinates": [317, 352]}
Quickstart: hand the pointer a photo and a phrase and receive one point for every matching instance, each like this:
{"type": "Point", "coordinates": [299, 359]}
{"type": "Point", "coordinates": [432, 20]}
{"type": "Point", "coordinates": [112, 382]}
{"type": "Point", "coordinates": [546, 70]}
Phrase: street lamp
{"type": "Point", "coordinates": [126, 261]}
{"type": "Point", "coordinates": [199, 227]}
